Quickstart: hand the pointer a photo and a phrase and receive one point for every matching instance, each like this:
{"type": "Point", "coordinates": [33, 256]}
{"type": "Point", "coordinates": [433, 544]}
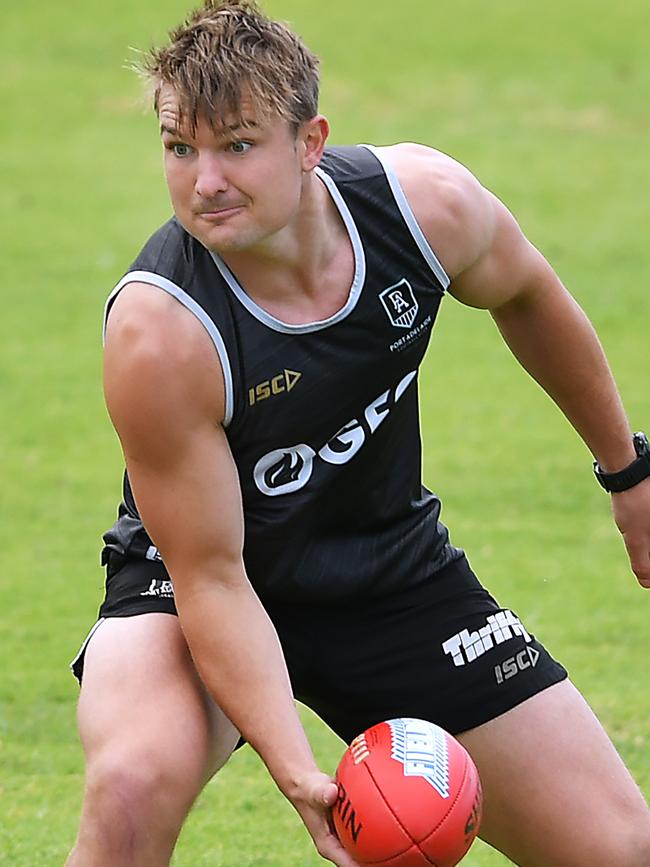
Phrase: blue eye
{"type": "Point", "coordinates": [240, 147]}
{"type": "Point", "coordinates": [181, 150]}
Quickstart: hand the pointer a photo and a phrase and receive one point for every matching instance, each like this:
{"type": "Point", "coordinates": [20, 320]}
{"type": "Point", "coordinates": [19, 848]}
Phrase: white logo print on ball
{"type": "Point", "coordinates": [421, 747]}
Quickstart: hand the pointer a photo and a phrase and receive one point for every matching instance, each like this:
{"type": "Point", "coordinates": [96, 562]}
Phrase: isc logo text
{"type": "Point", "coordinates": [524, 659]}
{"type": "Point", "coordinates": [279, 384]}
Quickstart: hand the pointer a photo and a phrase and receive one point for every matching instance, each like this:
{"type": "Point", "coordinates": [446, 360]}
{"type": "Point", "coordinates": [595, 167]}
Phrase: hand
{"type": "Point", "coordinates": [314, 798]}
{"type": "Point", "coordinates": [631, 510]}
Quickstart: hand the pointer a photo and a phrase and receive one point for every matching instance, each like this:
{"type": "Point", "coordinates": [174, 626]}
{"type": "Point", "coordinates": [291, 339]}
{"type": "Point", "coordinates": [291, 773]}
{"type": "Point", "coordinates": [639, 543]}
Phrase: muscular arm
{"type": "Point", "coordinates": [164, 391]}
{"type": "Point", "coordinates": [494, 267]}
{"type": "Point", "coordinates": [548, 333]}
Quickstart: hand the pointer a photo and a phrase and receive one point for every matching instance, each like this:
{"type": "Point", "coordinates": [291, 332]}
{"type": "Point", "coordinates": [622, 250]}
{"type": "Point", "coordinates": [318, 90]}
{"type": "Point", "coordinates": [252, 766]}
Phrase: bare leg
{"type": "Point", "coordinates": [152, 738]}
{"type": "Point", "coordinates": [556, 792]}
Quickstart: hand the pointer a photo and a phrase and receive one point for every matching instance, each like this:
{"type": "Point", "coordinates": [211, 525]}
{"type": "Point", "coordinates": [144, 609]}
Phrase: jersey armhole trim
{"type": "Point", "coordinates": [409, 218]}
{"type": "Point", "coordinates": [190, 304]}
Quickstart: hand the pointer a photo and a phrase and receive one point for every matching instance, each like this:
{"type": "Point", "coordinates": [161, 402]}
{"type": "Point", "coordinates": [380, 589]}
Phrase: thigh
{"type": "Point", "coordinates": [142, 702]}
{"type": "Point", "coordinates": [556, 792]}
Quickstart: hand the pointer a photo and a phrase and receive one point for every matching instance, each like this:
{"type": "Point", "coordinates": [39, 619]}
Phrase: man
{"type": "Point", "coordinates": [261, 372]}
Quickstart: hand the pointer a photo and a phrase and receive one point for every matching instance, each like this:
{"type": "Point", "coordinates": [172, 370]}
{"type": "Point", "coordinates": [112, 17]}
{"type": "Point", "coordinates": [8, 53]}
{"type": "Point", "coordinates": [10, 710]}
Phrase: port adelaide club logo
{"type": "Point", "coordinates": [400, 304]}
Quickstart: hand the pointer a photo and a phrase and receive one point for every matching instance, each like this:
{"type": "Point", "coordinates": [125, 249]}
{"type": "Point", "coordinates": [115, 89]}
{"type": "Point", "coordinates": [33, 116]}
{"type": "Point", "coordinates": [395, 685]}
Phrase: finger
{"type": "Point", "coordinates": [331, 848]}
{"type": "Point", "coordinates": [328, 798]}
{"type": "Point", "coordinates": [323, 793]}
{"type": "Point", "coordinates": [329, 794]}
{"type": "Point", "coordinates": [326, 842]}
{"type": "Point", "coordinates": [638, 549]}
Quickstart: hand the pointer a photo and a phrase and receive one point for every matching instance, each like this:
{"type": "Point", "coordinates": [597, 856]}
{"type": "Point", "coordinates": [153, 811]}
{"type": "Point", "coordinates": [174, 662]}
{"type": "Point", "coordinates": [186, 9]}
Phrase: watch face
{"type": "Point", "coordinates": [641, 444]}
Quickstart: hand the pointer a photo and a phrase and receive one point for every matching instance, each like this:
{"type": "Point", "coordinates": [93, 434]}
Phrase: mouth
{"type": "Point", "coordinates": [219, 214]}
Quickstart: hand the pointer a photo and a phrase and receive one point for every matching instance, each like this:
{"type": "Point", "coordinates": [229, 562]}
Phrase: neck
{"type": "Point", "coordinates": [292, 262]}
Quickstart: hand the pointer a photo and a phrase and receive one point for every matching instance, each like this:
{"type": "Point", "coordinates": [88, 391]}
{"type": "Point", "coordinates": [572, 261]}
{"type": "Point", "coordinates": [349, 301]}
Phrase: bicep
{"type": "Point", "coordinates": [190, 504]}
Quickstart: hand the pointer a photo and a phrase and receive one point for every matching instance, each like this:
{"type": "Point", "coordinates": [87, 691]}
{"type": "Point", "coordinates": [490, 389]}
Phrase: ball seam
{"type": "Point", "coordinates": [451, 807]}
{"type": "Point", "coordinates": [392, 812]}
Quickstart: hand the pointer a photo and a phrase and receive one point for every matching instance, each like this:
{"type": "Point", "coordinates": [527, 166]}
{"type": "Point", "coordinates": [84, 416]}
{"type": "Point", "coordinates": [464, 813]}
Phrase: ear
{"type": "Point", "coordinates": [312, 135]}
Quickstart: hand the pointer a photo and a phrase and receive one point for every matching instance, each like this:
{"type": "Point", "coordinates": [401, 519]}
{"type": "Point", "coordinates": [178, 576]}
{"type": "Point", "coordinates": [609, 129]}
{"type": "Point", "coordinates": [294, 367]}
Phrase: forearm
{"type": "Point", "coordinates": [238, 655]}
{"type": "Point", "coordinates": [554, 341]}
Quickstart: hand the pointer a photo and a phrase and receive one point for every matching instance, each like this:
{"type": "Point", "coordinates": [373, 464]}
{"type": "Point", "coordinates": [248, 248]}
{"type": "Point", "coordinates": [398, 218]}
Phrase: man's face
{"type": "Point", "coordinates": [234, 188]}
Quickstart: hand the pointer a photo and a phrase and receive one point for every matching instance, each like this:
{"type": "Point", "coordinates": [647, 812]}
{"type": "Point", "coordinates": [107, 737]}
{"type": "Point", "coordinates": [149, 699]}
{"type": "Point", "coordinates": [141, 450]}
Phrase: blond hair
{"type": "Point", "coordinates": [228, 50]}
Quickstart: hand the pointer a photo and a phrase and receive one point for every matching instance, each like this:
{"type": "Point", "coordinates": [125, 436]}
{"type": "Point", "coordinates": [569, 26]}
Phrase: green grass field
{"type": "Point", "coordinates": [547, 103]}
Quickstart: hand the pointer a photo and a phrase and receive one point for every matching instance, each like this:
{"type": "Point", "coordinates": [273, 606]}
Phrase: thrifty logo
{"type": "Point", "coordinates": [467, 646]}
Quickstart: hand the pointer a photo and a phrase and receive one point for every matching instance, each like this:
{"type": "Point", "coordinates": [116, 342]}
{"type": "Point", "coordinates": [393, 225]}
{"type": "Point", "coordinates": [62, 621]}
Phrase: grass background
{"type": "Point", "coordinates": [547, 103]}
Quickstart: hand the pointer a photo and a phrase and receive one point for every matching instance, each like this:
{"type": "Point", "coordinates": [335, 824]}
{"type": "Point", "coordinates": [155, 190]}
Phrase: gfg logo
{"type": "Point", "coordinates": [288, 469]}
{"type": "Point", "coordinates": [284, 470]}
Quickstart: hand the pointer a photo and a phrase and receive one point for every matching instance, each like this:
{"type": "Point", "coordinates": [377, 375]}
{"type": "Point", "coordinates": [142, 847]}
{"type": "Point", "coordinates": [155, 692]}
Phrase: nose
{"type": "Point", "coordinates": [210, 177]}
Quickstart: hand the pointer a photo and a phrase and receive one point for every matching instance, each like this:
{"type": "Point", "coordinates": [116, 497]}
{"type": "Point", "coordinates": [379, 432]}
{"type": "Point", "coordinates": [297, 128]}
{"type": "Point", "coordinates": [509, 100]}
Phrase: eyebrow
{"type": "Point", "coordinates": [233, 127]}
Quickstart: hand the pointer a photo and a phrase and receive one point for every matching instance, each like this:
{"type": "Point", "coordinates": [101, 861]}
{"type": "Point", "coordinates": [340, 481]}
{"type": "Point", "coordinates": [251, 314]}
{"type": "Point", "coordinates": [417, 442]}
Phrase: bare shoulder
{"type": "Point", "coordinates": [160, 366]}
{"type": "Point", "coordinates": [477, 239]}
{"type": "Point", "coordinates": [454, 211]}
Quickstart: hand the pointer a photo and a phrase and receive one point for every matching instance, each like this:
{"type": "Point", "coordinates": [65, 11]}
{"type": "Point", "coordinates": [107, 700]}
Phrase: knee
{"type": "Point", "coordinates": [122, 785]}
{"type": "Point", "coordinates": [628, 848]}
{"type": "Point", "coordinates": [635, 850]}
{"type": "Point", "coordinates": [626, 844]}
{"type": "Point", "coordinates": [127, 798]}
{"type": "Point", "coordinates": [621, 839]}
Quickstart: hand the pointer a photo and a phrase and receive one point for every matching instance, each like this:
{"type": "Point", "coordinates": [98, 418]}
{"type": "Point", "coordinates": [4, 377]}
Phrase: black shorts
{"type": "Point", "coordinates": [444, 651]}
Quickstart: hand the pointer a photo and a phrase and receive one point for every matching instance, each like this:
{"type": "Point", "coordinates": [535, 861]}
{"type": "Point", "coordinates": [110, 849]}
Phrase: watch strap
{"type": "Point", "coordinates": [631, 475]}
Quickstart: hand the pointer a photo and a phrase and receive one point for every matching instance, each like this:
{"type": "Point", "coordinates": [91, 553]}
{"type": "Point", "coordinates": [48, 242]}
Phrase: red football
{"type": "Point", "coordinates": [409, 796]}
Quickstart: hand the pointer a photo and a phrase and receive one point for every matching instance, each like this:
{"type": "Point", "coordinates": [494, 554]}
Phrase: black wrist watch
{"type": "Point", "coordinates": [634, 473]}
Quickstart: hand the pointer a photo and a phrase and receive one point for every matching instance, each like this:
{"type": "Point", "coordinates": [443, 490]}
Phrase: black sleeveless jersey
{"type": "Point", "coordinates": [322, 418]}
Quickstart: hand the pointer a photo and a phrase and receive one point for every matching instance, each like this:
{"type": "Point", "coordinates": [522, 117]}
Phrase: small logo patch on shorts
{"type": "Point", "coordinates": [512, 666]}
{"type": "Point", "coordinates": [159, 588]}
